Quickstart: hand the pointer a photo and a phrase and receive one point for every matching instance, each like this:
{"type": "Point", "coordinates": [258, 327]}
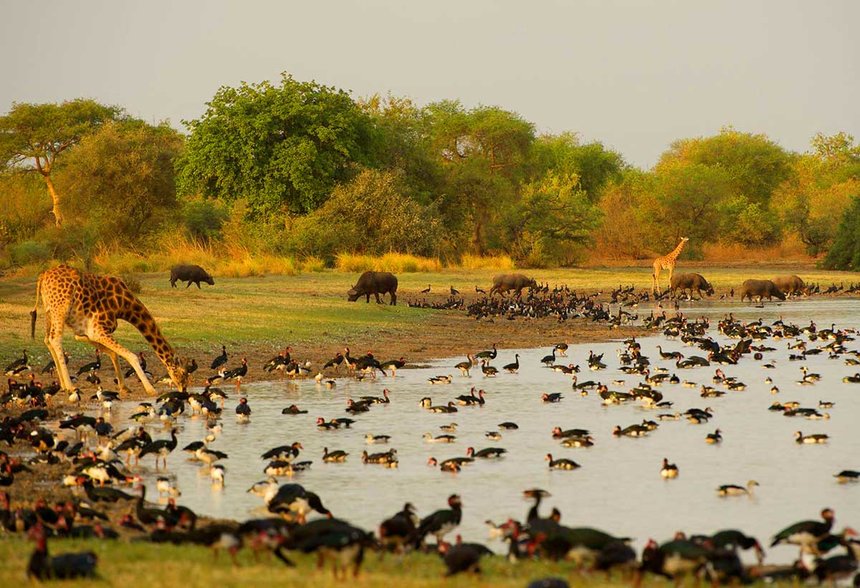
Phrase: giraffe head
{"type": "Point", "coordinates": [178, 373]}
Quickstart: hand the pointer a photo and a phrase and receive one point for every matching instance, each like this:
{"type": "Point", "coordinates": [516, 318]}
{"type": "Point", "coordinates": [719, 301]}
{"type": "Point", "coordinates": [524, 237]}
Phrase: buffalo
{"type": "Point", "coordinates": [504, 282]}
{"type": "Point", "coordinates": [691, 282]}
{"type": "Point", "coordinates": [760, 289]}
{"type": "Point", "coordinates": [375, 283]}
{"type": "Point", "coordinates": [790, 284]}
{"type": "Point", "coordinates": [193, 274]}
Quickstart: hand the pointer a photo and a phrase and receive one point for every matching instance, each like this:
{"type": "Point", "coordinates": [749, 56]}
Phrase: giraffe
{"type": "Point", "coordinates": [91, 305]}
{"type": "Point", "coordinates": [666, 262]}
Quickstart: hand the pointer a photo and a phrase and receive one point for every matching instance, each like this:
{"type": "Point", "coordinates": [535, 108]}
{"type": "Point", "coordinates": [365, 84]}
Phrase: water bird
{"type": "Point", "coordinates": [735, 490]}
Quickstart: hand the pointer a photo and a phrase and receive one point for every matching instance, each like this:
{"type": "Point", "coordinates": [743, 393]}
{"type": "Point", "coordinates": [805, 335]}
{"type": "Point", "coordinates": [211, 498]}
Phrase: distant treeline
{"type": "Point", "coordinates": [302, 170]}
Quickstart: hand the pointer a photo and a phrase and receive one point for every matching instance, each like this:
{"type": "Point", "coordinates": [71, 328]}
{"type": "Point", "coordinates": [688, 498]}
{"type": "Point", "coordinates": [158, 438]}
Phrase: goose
{"type": "Point", "coordinates": [219, 360]}
{"type": "Point", "coordinates": [161, 448]}
{"type": "Point", "coordinates": [735, 490]}
{"type": "Point", "coordinates": [445, 409]}
{"type": "Point", "coordinates": [216, 475]}
{"type": "Point", "coordinates": [449, 465]}
{"type": "Point", "coordinates": [714, 438]}
{"type": "Point", "coordinates": [815, 438]}
{"type": "Point", "coordinates": [806, 534]}
{"type": "Point", "coordinates": [486, 453]}
{"type": "Point", "coordinates": [449, 428]}
{"type": "Point", "coordinates": [293, 409]}
{"type": "Point", "coordinates": [396, 531]}
{"type": "Point", "coordinates": [631, 431]}
{"type": "Point", "coordinates": [855, 379]}
{"type": "Point", "coordinates": [387, 458]}
{"type": "Point", "coordinates": [209, 456]}
{"type": "Point", "coordinates": [489, 355]}
{"type": "Point", "coordinates": [165, 487]}
{"type": "Point", "coordinates": [567, 369]}
{"type": "Point", "coordinates": [512, 368]}
{"type": "Point", "coordinates": [19, 365]}
{"type": "Point", "coordinates": [560, 464]}
{"type": "Point", "coordinates": [488, 370]}
{"type": "Point", "coordinates": [243, 411]}
{"type": "Point", "coordinates": [669, 471]}
{"type": "Point", "coordinates": [558, 433]}
{"type": "Point", "coordinates": [508, 425]}
{"type": "Point", "coordinates": [676, 355]}
{"type": "Point", "coordinates": [426, 290]}
{"type": "Point", "coordinates": [465, 366]}
{"type": "Point", "coordinates": [441, 522]}
{"type": "Point", "coordinates": [493, 435]}
{"type": "Point", "coordinates": [551, 397]}
{"type": "Point", "coordinates": [548, 360]}
{"type": "Point", "coordinates": [561, 348]}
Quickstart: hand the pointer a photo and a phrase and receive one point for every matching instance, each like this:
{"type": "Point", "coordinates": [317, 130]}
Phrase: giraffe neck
{"type": "Point", "coordinates": [140, 317]}
{"type": "Point", "coordinates": [672, 256]}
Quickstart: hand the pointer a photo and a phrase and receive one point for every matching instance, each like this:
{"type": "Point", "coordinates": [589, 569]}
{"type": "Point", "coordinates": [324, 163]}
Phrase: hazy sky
{"type": "Point", "coordinates": [633, 74]}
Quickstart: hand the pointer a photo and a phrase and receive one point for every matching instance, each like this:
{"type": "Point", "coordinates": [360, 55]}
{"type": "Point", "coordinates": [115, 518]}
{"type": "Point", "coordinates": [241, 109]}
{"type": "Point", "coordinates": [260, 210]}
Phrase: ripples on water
{"type": "Point", "coordinates": [618, 488]}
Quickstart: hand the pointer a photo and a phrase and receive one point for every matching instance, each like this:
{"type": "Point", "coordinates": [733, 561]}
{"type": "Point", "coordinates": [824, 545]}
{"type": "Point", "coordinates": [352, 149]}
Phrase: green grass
{"type": "Point", "coordinates": [156, 566]}
{"type": "Point", "coordinates": [310, 309]}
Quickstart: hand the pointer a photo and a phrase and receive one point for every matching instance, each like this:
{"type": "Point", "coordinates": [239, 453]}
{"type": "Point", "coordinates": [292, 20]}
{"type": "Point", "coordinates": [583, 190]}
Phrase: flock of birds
{"type": "Point", "coordinates": [104, 468]}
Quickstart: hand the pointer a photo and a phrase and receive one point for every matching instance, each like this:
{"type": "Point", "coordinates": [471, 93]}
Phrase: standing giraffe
{"type": "Point", "coordinates": [667, 262]}
{"type": "Point", "coordinates": [91, 305]}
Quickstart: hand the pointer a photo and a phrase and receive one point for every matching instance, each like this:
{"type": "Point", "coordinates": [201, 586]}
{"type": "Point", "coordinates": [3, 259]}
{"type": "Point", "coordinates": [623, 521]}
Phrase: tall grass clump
{"type": "Point", "coordinates": [486, 262]}
{"type": "Point", "coordinates": [312, 264]}
{"type": "Point", "coordinates": [390, 262]}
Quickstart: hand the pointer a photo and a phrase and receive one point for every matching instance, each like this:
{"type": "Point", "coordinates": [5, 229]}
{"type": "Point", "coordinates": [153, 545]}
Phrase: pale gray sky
{"type": "Point", "coordinates": [633, 74]}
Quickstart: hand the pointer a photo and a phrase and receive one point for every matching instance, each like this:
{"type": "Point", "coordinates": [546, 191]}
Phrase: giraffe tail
{"type": "Point", "coordinates": [35, 308]}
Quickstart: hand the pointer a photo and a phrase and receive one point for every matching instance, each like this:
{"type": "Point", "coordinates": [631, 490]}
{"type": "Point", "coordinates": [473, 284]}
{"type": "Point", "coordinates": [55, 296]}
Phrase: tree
{"type": "Point", "coordinates": [845, 252]}
{"type": "Point", "coordinates": [279, 147]}
{"type": "Point", "coordinates": [553, 218]}
{"type": "Point", "coordinates": [753, 164]}
{"type": "Point", "coordinates": [32, 136]}
{"type": "Point", "coordinates": [368, 215]}
{"type": "Point", "coordinates": [483, 153]}
{"type": "Point", "coordinates": [120, 179]}
{"type": "Point", "coordinates": [592, 163]}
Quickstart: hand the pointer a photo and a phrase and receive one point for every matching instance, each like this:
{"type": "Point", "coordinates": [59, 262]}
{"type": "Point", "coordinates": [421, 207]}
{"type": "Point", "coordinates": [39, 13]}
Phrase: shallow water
{"type": "Point", "coordinates": [618, 488]}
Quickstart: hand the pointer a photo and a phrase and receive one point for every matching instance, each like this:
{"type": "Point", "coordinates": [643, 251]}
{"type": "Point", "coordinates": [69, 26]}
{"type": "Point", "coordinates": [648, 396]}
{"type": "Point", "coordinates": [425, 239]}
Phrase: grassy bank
{"type": "Point", "coordinates": [167, 566]}
{"type": "Point", "coordinates": [260, 314]}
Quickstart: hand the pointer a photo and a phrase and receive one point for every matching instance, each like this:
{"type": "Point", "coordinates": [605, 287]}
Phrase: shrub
{"type": "Point", "coordinates": [845, 252]}
{"type": "Point", "coordinates": [27, 252]}
{"type": "Point", "coordinates": [132, 282]}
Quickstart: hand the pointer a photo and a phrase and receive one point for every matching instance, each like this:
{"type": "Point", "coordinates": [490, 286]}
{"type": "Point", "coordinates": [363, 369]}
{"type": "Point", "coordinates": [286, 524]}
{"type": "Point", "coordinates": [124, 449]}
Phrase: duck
{"type": "Point", "coordinates": [429, 438]}
{"type": "Point", "coordinates": [324, 425]}
{"type": "Point", "coordinates": [471, 399]}
{"type": "Point", "coordinates": [735, 490]}
{"type": "Point", "coordinates": [284, 452]}
{"type": "Point", "coordinates": [514, 367]}
{"type": "Point", "coordinates": [493, 435]}
{"type": "Point", "coordinates": [441, 379]}
{"type": "Point", "coordinates": [669, 471]}
{"type": "Point", "coordinates": [293, 409]}
{"type": "Point", "coordinates": [815, 438]}
{"type": "Point", "coordinates": [447, 409]}
{"type": "Point", "coordinates": [508, 425]}
{"type": "Point", "coordinates": [578, 442]}
{"type": "Point", "coordinates": [714, 438]}
{"type": "Point", "coordinates": [846, 476]}
{"type": "Point", "coordinates": [551, 397]}
{"type": "Point", "coordinates": [384, 399]}
{"type": "Point", "coordinates": [337, 456]}
{"type": "Point", "coordinates": [561, 464]}
{"type": "Point", "coordinates": [855, 379]}
{"type": "Point", "coordinates": [371, 439]}
{"type": "Point", "coordinates": [387, 458]}
{"type": "Point", "coordinates": [243, 411]}
{"type": "Point", "coordinates": [448, 465]}
{"type": "Point", "coordinates": [558, 433]}
{"type": "Point", "coordinates": [449, 428]}
{"type": "Point", "coordinates": [631, 431]}
{"type": "Point", "coordinates": [209, 456]}
{"type": "Point", "coordinates": [216, 475]}
{"type": "Point", "coordinates": [487, 452]}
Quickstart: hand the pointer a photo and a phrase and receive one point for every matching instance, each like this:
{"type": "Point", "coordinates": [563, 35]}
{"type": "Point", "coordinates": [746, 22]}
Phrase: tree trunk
{"type": "Point", "coordinates": [477, 239]}
{"type": "Point", "coordinates": [55, 198]}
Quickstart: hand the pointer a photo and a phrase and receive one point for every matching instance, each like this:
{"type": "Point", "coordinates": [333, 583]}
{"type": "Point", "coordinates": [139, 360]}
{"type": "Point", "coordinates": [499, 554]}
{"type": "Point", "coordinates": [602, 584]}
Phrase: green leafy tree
{"type": "Point", "coordinates": [120, 179]}
{"type": "Point", "coordinates": [277, 146]}
{"type": "Point", "coordinates": [33, 136]}
{"type": "Point", "coordinates": [592, 163]}
{"type": "Point", "coordinates": [754, 165]}
{"type": "Point", "coordinates": [552, 220]}
{"type": "Point", "coordinates": [483, 152]}
{"type": "Point", "coordinates": [368, 215]}
{"type": "Point", "coordinates": [845, 252]}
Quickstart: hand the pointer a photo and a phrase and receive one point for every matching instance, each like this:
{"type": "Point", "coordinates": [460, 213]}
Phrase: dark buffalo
{"type": "Point", "coordinates": [760, 289]}
{"type": "Point", "coordinates": [691, 282]}
{"type": "Point", "coordinates": [790, 284]}
{"type": "Point", "coordinates": [193, 274]}
{"type": "Point", "coordinates": [375, 283]}
{"type": "Point", "coordinates": [504, 282]}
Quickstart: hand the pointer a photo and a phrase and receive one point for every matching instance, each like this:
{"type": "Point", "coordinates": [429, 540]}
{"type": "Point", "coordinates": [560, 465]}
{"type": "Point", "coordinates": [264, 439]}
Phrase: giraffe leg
{"type": "Point", "coordinates": [54, 341]}
{"type": "Point", "coordinates": [120, 381]}
{"type": "Point", "coordinates": [111, 345]}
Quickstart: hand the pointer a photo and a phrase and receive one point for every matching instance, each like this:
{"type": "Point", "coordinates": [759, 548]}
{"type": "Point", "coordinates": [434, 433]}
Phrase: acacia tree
{"type": "Point", "coordinates": [277, 147]}
{"type": "Point", "coordinates": [32, 136]}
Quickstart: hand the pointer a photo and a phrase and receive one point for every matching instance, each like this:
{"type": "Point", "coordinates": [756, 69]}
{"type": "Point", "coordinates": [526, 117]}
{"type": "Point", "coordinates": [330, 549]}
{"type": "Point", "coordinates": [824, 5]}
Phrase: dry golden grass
{"type": "Point", "coordinates": [491, 262]}
{"type": "Point", "coordinates": [390, 262]}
